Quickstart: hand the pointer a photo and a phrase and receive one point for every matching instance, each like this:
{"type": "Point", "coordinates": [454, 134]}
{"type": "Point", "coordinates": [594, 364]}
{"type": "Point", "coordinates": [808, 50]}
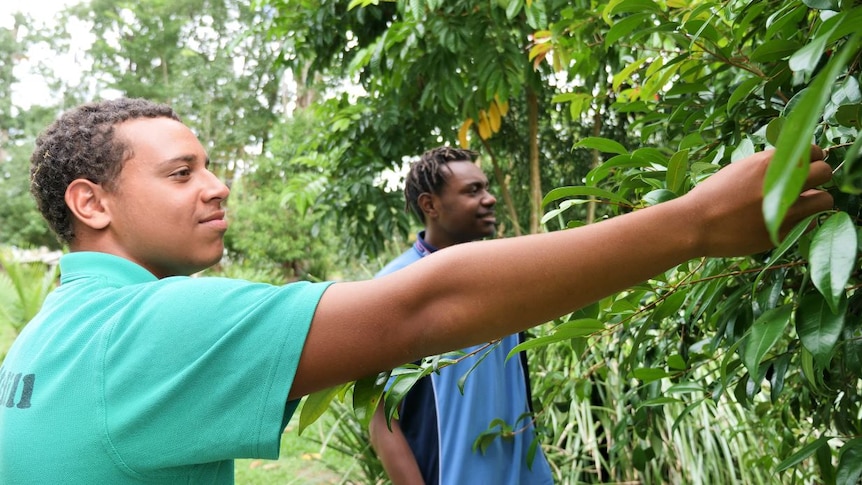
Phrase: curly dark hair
{"type": "Point", "coordinates": [81, 144]}
{"type": "Point", "coordinates": [426, 174]}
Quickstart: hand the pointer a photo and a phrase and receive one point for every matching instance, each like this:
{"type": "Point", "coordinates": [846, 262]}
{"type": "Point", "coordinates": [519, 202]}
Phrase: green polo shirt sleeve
{"type": "Point", "coordinates": [214, 360]}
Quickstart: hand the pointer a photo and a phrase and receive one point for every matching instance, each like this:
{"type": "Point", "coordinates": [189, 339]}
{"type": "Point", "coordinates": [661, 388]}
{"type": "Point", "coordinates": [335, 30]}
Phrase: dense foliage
{"type": "Point", "coordinates": [700, 84]}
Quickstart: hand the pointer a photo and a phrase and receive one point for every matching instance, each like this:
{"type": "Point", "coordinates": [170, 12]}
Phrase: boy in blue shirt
{"type": "Point", "coordinates": [432, 441]}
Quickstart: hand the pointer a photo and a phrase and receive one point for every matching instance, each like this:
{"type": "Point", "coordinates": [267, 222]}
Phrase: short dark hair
{"type": "Point", "coordinates": [81, 144]}
{"type": "Point", "coordinates": [426, 174]}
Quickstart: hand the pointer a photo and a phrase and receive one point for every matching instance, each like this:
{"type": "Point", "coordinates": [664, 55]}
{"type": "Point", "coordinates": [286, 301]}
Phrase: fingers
{"type": "Point", "coordinates": [813, 201]}
{"type": "Point", "coordinates": [818, 174]}
{"type": "Point", "coordinates": [817, 153]}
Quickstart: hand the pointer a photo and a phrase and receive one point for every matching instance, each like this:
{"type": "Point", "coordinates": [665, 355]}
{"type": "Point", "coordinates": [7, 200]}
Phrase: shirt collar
{"type": "Point", "coordinates": [87, 264]}
{"type": "Point", "coordinates": [422, 246]}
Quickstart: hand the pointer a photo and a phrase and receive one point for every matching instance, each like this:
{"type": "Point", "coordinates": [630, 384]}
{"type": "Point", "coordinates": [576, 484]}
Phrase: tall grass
{"type": "Point", "coordinates": [600, 425]}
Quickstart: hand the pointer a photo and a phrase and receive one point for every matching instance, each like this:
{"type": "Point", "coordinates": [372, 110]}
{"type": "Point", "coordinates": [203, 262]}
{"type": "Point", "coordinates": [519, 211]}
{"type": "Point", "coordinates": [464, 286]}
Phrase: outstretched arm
{"type": "Point", "coordinates": [476, 292]}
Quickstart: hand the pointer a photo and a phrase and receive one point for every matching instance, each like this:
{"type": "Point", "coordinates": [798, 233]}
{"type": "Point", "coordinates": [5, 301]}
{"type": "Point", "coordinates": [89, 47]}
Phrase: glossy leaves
{"type": "Point", "coordinates": [765, 332]}
{"type": "Point", "coordinates": [832, 257]}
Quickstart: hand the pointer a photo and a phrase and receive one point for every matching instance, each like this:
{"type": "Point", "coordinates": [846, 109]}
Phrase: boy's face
{"type": "Point", "coordinates": [165, 213]}
{"type": "Point", "coordinates": [465, 207]}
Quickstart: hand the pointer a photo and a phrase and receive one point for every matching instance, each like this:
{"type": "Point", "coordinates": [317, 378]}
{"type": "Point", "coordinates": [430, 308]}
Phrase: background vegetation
{"type": "Point", "coordinates": [739, 370]}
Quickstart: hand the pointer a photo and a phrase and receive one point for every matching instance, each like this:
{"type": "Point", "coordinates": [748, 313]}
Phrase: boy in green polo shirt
{"type": "Point", "coordinates": [135, 372]}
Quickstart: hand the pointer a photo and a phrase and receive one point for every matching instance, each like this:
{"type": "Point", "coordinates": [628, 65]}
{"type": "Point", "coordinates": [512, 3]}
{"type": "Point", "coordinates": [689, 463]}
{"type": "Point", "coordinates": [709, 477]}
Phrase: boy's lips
{"type": "Point", "coordinates": [215, 220]}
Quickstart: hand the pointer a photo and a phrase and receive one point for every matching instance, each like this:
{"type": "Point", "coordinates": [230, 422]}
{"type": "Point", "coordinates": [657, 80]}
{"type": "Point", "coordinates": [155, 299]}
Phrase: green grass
{"type": "Point", "coordinates": [304, 460]}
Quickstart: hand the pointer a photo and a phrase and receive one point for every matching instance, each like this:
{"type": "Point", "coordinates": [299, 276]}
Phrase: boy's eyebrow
{"type": "Point", "coordinates": [188, 158]}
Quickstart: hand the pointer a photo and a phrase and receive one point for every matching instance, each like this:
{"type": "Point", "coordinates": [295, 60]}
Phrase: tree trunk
{"type": "Point", "coordinates": [535, 174]}
{"type": "Point", "coordinates": [597, 129]}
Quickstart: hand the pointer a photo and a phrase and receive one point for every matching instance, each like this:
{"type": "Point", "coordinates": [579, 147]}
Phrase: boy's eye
{"type": "Point", "coordinates": [185, 172]}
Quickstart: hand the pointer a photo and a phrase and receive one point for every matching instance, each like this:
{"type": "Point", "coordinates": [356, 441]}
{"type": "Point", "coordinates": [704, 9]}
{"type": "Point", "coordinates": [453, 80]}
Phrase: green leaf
{"type": "Point", "coordinates": [601, 144]}
{"type": "Point", "coordinates": [807, 58]}
{"type": "Point", "coordinates": [579, 191]}
{"type": "Point", "coordinates": [315, 405]}
{"type": "Point", "coordinates": [832, 257]}
{"type": "Point", "coordinates": [852, 170]}
{"type": "Point", "coordinates": [687, 88]}
{"type": "Point", "coordinates": [774, 50]}
{"type": "Point", "coordinates": [786, 173]}
{"type": "Point", "coordinates": [565, 331]}
{"type": "Point", "coordinates": [650, 374]}
{"type": "Point", "coordinates": [463, 379]}
{"type": "Point", "coordinates": [684, 388]}
{"type": "Point", "coordinates": [818, 327]}
{"type": "Point", "coordinates": [742, 91]}
{"type": "Point", "coordinates": [849, 115]}
{"type": "Point", "coordinates": [658, 196]}
{"type": "Point", "coordinates": [401, 385]}
{"type": "Point", "coordinates": [691, 140]}
{"type": "Point", "coordinates": [669, 306]}
{"type": "Point", "coordinates": [598, 174]}
{"type": "Point", "coordinates": [779, 372]}
{"type": "Point", "coordinates": [822, 4]}
{"type": "Point", "coordinates": [685, 412]}
{"type": "Point", "coordinates": [850, 462]}
{"type": "Point", "coordinates": [793, 236]}
{"type": "Point", "coordinates": [633, 6]}
{"type": "Point", "coordinates": [624, 75]}
{"type": "Point", "coordinates": [773, 129]}
{"type": "Point", "coordinates": [745, 149]}
{"type": "Point", "coordinates": [677, 171]}
{"type": "Point", "coordinates": [366, 396]}
{"type": "Point", "coordinates": [765, 332]}
{"type": "Point", "coordinates": [802, 454]}
{"type": "Point", "coordinates": [623, 27]}
{"type": "Point", "coordinates": [806, 362]}
{"type": "Point", "coordinates": [659, 401]}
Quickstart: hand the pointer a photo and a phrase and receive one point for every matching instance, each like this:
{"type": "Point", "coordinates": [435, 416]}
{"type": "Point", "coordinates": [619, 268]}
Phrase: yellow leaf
{"type": "Point", "coordinates": [539, 51]}
{"type": "Point", "coordinates": [503, 107]}
{"type": "Point", "coordinates": [462, 133]}
{"type": "Point", "coordinates": [540, 35]}
{"type": "Point", "coordinates": [484, 127]}
{"type": "Point", "coordinates": [494, 117]}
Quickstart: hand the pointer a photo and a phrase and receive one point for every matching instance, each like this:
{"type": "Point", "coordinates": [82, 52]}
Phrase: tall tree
{"type": "Point", "coordinates": [198, 56]}
{"type": "Point", "coordinates": [430, 73]}
{"type": "Point", "coordinates": [20, 222]}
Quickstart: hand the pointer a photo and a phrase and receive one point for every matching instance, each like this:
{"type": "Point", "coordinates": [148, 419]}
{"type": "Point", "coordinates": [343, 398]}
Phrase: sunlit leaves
{"type": "Point", "coordinates": [832, 257]}
{"type": "Point", "coordinates": [786, 174]}
{"type": "Point", "coordinates": [566, 331]}
{"type": "Point", "coordinates": [601, 144]}
{"type": "Point", "coordinates": [582, 191]}
{"type": "Point", "coordinates": [677, 172]}
{"type": "Point", "coordinates": [315, 405]}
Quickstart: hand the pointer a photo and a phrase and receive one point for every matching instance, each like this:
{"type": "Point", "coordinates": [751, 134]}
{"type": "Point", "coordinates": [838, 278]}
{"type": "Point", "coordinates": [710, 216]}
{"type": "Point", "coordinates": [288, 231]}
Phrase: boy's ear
{"type": "Point", "coordinates": [426, 203]}
{"type": "Point", "coordinates": [84, 199]}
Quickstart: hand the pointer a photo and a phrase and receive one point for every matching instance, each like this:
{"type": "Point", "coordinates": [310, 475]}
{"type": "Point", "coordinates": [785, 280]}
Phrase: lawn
{"type": "Point", "coordinates": [303, 461]}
